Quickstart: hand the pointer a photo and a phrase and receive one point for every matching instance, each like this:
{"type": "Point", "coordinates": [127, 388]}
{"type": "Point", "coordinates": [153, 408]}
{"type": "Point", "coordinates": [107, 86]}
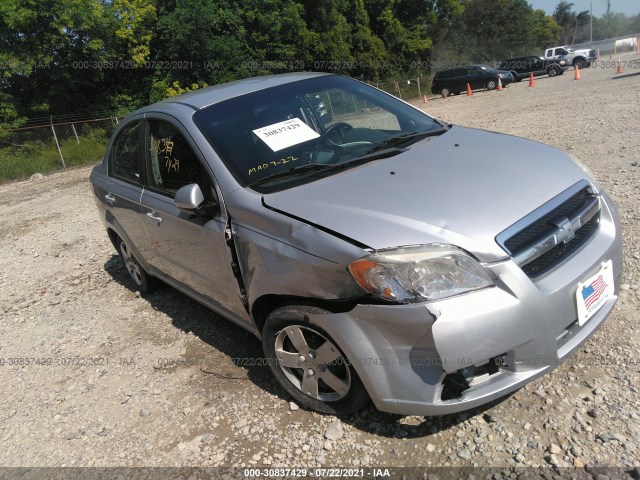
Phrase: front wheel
{"type": "Point", "coordinates": [553, 71]}
{"type": "Point", "coordinates": [445, 92]}
{"type": "Point", "coordinates": [309, 364]}
{"type": "Point", "coordinates": [492, 84]}
{"type": "Point", "coordinates": [579, 62]}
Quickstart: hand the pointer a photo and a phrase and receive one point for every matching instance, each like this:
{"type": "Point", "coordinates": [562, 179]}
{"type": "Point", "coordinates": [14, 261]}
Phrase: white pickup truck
{"type": "Point", "coordinates": [580, 58]}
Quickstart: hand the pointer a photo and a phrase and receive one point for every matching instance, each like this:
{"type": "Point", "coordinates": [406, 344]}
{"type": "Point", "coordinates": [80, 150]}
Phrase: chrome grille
{"type": "Point", "coordinates": [550, 234]}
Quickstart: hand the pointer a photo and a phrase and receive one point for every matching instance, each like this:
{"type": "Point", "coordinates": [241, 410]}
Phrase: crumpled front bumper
{"type": "Point", "coordinates": [496, 339]}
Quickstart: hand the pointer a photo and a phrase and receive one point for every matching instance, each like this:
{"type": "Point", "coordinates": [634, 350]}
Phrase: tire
{"type": "Point", "coordinates": [579, 62]}
{"type": "Point", "coordinates": [492, 84]}
{"type": "Point", "coordinates": [553, 71]}
{"type": "Point", "coordinates": [445, 92]}
{"type": "Point", "coordinates": [308, 363]}
{"type": "Point", "coordinates": [143, 282]}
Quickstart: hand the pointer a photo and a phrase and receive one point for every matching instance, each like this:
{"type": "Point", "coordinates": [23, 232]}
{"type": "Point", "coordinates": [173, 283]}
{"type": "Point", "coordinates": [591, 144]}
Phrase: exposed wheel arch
{"type": "Point", "coordinates": [266, 304]}
{"type": "Point", "coordinates": [113, 236]}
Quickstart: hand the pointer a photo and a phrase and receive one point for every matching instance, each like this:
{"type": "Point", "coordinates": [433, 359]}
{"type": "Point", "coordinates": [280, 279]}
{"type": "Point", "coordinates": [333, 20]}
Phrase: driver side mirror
{"type": "Point", "coordinates": [189, 198]}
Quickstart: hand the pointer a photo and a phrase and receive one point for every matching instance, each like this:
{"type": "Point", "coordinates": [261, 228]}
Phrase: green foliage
{"type": "Point", "coordinates": [135, 21]}
{"type": "Point", "coordinates": [546, 30]}
{"type": "Point", "coordinates": [161, 90]}
{"type": "Point", "coordinates": [75, 56]}
{"type": "Point", "coordinates": [21, 161]}
{"type": "Point", "coordinates": [198, 32]}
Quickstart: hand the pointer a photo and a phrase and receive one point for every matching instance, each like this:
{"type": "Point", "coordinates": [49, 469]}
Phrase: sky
{"type": "Point", "coordinates": [628, 7]}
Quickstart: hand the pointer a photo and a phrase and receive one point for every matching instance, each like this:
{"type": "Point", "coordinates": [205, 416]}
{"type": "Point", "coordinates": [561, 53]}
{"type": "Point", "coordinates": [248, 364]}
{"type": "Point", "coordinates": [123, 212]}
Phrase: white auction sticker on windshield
{"type": "Point", "coordinates": [285, 134]}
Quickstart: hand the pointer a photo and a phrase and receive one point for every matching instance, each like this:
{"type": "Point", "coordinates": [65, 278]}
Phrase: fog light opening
{"type": "Point", "coordinates": [453, 385]}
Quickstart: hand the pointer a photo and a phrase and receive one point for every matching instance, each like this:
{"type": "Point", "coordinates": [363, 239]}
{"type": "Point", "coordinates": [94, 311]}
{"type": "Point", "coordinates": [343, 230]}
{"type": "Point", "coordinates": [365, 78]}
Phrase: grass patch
{"type": "Point", "coordinates": [21, 161]}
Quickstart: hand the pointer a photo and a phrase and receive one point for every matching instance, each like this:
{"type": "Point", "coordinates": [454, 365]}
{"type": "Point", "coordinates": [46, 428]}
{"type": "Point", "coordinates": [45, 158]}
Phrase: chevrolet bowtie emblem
{"type": "Point", "coordinates": [565, 232]}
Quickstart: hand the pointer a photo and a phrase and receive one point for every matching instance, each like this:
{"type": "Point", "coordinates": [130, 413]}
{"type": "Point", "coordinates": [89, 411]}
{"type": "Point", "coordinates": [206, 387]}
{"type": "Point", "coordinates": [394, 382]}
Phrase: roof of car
{"type": "Point", "coordinates": [204, 97]}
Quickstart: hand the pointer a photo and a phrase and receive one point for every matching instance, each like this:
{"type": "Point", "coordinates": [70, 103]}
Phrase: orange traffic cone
{"type": "Point", "coordinates": [532, 82]}
{"type": "Point", "coordinates": [425, 99]}
{"type": "Point", "coordinates": [469, 93]}
{"type": "Point", "coordinates": [619, 66]}
{"type": "Point", "coordinates": [499, 84]}
{"type": "Point", "coordinates": [577, 77]}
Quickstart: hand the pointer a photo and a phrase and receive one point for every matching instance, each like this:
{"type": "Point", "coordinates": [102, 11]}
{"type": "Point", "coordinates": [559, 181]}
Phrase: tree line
{"type": "Point", "coordinates": [69, 56]}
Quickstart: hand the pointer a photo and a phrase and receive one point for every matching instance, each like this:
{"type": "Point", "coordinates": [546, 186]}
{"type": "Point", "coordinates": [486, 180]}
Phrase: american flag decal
{"type": "Point", "coordinates": [591, 293]}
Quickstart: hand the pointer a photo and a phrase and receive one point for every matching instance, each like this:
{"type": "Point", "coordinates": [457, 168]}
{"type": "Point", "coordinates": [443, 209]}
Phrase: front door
{"type": "Point", "coordinates": [191, 249]}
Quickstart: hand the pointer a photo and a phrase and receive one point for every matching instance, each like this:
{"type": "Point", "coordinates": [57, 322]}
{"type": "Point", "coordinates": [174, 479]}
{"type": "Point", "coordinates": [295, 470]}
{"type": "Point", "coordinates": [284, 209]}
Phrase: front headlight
{"type": "Point", "coordinates": [419, 274]}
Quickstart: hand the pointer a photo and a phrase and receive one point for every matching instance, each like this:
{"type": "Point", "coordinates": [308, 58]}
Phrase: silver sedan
{"type": "Point", "coordinates": [380, 254]}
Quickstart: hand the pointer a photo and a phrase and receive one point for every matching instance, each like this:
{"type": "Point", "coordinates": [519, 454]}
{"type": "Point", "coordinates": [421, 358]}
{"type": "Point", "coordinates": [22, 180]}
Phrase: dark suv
{"type": "Point", "coordinates": [454, 80]}
{"type": "Point", "coordinates": [522, 67]}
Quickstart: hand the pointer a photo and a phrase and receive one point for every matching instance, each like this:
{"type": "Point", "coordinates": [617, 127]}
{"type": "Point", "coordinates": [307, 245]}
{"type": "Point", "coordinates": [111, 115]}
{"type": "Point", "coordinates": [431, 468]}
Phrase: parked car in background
{"type": "Point", "coordinates": [452, 81]}
{"type": "Point", "coordinates": [580, 58]}
{"type": "Point", "coordinates": [522, 67]}
{"type": "Point", "coordinates": [380, 254]}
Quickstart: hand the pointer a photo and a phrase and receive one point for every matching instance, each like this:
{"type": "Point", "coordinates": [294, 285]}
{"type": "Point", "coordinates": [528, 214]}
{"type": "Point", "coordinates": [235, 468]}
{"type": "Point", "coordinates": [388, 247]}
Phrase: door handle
{"type": "Point", "coordinates": [155, 217]}
{"type": "Point", "coordinates": [110, 199]}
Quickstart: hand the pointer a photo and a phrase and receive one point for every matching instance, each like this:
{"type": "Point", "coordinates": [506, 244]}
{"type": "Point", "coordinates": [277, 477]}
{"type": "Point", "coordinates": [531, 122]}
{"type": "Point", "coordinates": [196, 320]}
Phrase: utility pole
{"type": "Point", "coordinates": [591, 23]}
{"type": "Point", "coordinates": [608, 15]}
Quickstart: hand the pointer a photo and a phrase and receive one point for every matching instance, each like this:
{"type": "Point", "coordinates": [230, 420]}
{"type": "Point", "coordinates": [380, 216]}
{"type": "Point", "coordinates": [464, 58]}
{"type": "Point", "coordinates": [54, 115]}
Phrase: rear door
{"type": "Point", "coordinates": [123, 190]}
{"type": "Point", "coordinates": [459, 79]}
{"type": "Point", "coordinates": [475, 77]}
{"type": "Point", "coordinates": [190, 249]}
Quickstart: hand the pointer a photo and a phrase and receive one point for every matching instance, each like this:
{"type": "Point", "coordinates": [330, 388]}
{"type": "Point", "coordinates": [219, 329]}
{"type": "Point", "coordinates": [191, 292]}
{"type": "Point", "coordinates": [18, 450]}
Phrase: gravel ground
{"type": "Point", "coordinates": [156, 381]}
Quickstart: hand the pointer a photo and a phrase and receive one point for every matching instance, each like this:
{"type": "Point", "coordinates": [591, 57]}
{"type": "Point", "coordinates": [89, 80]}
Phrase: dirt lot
{"type": "Point", "coordinates": [156, 381]}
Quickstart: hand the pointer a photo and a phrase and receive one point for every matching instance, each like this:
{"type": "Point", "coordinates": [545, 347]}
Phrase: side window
{"type": "Point", "coordinates": [172, 162]}
{"type": "Point", "coordinates": [123, 162]}
{"type": "Point", "coordinates": [561, 51]}
{"type": "Point", "coordinates": [549, 53]}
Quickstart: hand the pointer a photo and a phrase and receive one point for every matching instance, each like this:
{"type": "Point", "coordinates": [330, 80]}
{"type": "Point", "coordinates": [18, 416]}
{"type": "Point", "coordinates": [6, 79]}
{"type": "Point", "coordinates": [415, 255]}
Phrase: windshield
{"type": "Point", "coordinates": [266, 136]}
{"type": "Point", "coordinates": [487, 68]}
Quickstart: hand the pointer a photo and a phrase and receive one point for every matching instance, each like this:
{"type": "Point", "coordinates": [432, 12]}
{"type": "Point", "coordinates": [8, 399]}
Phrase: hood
{"type": "Point", "coordinates": [463, 188]}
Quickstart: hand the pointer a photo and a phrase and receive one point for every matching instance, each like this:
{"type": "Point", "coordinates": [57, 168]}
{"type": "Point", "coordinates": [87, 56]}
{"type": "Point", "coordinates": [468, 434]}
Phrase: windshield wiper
{"type": "Point", "coordinates": [387, 148]}
{"type": "Point", "coordinates": [400, 139]}
{"type": "Point", "coordinates": [307, 167]}
{"type": "Point", "coordinates": [323, 167]}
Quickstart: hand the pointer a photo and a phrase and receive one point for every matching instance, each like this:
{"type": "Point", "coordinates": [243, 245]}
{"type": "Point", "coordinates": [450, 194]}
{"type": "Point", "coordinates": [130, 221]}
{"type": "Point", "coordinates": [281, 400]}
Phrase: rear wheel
{"type": "Point", "coordinates": [445, 92]}
{"type": "Point", "coordinates": [309, 364]}
{"type": "Point", "coordinates": [492, 84]}
{"type": "Point", "coordinates": [142, 280]}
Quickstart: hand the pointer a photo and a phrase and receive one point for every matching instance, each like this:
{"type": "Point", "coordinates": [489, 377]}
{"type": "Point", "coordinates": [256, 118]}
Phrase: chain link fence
{"type": "Point", "coordinates": [41, 148]}
{"type": "Point", "coordinates": [613, 46]}
{"type": "Point", "coordinates": [406, 89]}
